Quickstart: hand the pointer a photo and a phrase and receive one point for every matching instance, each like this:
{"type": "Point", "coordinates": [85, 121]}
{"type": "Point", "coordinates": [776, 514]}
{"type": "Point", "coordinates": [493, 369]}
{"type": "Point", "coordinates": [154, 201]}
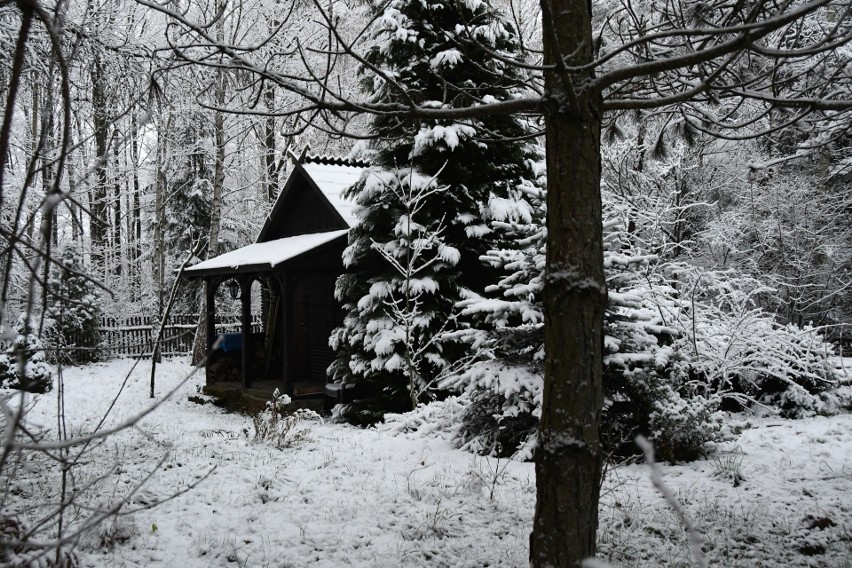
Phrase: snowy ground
{"type": "Point", "coordinates": [780, 495]}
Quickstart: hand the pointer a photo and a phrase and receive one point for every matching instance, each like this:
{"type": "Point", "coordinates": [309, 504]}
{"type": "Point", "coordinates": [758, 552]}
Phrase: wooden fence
{"type": "Point", "coordinates": [134, 335]}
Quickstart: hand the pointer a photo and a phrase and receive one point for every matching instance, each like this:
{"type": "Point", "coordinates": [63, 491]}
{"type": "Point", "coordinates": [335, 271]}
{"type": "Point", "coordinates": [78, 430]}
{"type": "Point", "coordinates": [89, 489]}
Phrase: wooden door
{"type": "Point", "coordinates": [320, 311]}
{"type": "Point", "coordinates": [313, 318]}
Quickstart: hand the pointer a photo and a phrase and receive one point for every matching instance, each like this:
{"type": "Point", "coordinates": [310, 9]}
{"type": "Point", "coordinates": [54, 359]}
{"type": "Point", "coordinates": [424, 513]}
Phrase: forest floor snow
{"type": "Point", "coordinates": [779, 495]}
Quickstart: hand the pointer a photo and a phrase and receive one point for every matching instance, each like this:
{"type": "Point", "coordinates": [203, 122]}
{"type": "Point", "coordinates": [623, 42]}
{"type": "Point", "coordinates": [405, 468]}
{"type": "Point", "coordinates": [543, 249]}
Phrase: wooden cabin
{"type": "Point", "coordinates": [287, 277]}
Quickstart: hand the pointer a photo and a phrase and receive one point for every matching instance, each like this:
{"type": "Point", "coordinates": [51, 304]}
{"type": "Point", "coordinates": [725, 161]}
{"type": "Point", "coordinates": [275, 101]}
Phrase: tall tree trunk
{"type": "Point", "coordinates": [199, 347]}
{"type": "Point", "coordinates": [51, 220]}
{"type": "Point", "coordinates": [269, 148]}
{"type": "Point", "coordinates": [219, 163]}
{"type": "Point", "coordinates": [76, 222]}
{"type": "Point", "coordinates": [137, 192]}
{"type": "Point", "coordinates": [99, 224]}
{"type": "Point", "coordinates": [117, 252]}
{"type": "Point", "coordinates": [134, 212]}
{"type": "Point", "coordinates": [131, 270]}
{"type": "Point", "coordinates": [158, 258]}
{"type": "Point", "coordinates": [218, 184]}
{"type": "Point", "coordinates": [35, 114]}
{"type": "Point", "coordinates": [569, 458]}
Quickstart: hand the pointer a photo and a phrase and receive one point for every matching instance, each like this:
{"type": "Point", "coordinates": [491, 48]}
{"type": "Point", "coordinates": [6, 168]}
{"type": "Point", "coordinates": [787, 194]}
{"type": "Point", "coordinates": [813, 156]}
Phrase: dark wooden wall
{"type": "Point", "coordinates": [302, 211]}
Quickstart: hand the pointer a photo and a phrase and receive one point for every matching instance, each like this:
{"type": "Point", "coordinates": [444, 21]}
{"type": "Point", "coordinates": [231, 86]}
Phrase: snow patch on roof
{"type": "Point", "coordinates": [333, 180]}
{"type": "Point", "coordinates": [270, 253]}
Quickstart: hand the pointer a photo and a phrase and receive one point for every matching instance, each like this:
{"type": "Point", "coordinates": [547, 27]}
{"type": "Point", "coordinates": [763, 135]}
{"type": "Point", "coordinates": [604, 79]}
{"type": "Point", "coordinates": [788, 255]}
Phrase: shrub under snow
{"type": "Point", "coordinates": [728, 345]}
{"type": "Point", "coordinates": [23, 365]}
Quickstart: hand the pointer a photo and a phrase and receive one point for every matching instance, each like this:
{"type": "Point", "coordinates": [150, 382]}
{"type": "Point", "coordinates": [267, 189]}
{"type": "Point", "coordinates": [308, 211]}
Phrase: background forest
{"type": "Point", "coordinates": [164, 154]}
{"type": "Point", "coordinates": [161, 156]}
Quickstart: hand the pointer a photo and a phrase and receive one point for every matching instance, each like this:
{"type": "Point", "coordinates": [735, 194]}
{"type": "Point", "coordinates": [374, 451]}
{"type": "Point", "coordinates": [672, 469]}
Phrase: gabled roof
{"type": "Point", "coordinates": [260, 257]}
{"type": "Point", "coordinates": [329, 177]}
{"type": "Point", "coordinates": [333, 181]}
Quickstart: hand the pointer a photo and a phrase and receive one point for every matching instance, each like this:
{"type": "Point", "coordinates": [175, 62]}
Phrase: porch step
{"type": "Point", "coordinates": [250, 401]}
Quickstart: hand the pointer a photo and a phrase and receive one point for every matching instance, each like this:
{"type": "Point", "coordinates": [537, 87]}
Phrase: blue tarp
{"type": "Point", "coordinates": [228, 342]}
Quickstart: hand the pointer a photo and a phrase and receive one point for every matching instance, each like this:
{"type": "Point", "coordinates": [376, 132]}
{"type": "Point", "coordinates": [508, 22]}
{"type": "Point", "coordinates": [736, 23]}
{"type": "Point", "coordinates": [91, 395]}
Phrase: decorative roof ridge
{"type": "Point", "coordinates": [333, 161]}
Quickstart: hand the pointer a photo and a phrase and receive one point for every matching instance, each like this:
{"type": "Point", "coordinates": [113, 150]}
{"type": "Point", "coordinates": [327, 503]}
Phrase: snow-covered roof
{"type": "Point", "coordinates": [333, 180]}
{"type": "Point", "coordinates": [268, 254]}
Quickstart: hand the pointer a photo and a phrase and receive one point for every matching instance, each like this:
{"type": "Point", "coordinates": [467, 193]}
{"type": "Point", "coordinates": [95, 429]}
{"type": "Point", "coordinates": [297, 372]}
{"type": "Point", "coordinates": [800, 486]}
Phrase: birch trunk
{"type": "Point", "coordinates": [158, 258]}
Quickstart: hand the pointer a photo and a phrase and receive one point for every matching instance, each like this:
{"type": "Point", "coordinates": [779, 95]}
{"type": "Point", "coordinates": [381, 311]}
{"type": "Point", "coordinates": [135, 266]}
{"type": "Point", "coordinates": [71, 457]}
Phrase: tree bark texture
{"type": "Point", "coordinates": [269, 148]}
{"type": "Point", "coordinates": [136, 223]}
{"type": "Point", "coordinates": [116, 242]}
{"type": "Point", "coordinates": [204, 329]}
{"type": "Point", "coordinates": [158, 257]}
{"type": "Point", "coordinates": [99, 222]}
{"type": "Point", "coordinates": [569, 457]}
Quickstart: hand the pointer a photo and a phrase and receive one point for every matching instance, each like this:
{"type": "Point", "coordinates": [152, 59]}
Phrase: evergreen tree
{"type": "Point", "coordinates": [407, 269]}
{"type": "Point", "coordinates": [507, 330]}
{"type": "Point", "coordinates": [504, 390]}
{"type": "Point", "coordinates": [189, 202]}
{"type": "Point", "coordinates": [22, 361]}
{"type": "Point", "coordinates": [74, 310]}
{"type": "Point", "coordinates": [681, 344]}
{"type": "Point", "coordinates": [400, 300]}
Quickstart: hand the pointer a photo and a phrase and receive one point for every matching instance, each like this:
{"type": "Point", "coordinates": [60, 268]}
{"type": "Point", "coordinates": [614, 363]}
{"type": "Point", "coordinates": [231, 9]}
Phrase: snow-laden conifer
{"type": "Point", "coordinates": [23, 365]}
{"type": "Point", "coordinates": [74, 310]}
{"type": "Point", "coordinates": [425, 208]}
{"type": "Point", "coordinates": [503, 387]}
{"type": "Point", "coordinates": [189, 201]}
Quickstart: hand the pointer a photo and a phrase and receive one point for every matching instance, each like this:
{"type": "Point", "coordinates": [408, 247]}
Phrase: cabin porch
{"type": "Point", "coordinates": [288, 312]}
{"type": "Point", "coordinates": [286, 280]}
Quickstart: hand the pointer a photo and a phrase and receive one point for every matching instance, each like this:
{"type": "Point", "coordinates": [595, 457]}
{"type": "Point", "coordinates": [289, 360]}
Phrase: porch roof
{"type": "Point", "coordinates": [262, 257]}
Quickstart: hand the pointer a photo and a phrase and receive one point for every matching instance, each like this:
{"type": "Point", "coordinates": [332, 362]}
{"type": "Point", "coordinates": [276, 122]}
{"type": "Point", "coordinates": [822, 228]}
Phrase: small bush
{"type": "Point", "coordinates": [502, 401]}
{"type": "Point", "coordinates": [497, 434]}
{"type": "Point", "coordinates": [678, 421]}
{"type": "Point", "coordinates": [23, 365]}
{"type": "Point", "coordinates": [277, 424]}
{"type": "Point", "coordinates": [734, 348]}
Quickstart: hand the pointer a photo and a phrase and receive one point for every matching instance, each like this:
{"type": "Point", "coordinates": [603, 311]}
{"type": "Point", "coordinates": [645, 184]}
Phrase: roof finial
{"type": "Point", "coordinates": [300, 159]}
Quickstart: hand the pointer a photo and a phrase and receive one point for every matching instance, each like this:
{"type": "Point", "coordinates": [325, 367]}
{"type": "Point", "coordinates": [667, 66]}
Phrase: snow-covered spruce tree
{"type": "Point", "coordinates": [402, 298]}
{"type": "Point", "coordinates": [642, 394]}
{"type": "Point", "coordinates": [502, 393]}
{"type": "Point", "coordinates": [74, 310]}
{"type": "Point", "coordinates": [503, 388]}
{"type": "Point", "coordinates": [189, 202]}
{"type": "Point", "coordinates": [462, 172]}
{"type": "Point", "coordinates": [22, 363]}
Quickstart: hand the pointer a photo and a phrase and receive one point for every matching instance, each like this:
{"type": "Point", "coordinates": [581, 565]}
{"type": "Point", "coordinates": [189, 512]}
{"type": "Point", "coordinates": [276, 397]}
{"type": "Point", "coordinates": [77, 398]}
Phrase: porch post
{"type": "Point", "coordinates": [245, 296]}
{"type": "Point", "coordinates": [210, 305]}
{"type": "Point", "coordinates": [285, 332]}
